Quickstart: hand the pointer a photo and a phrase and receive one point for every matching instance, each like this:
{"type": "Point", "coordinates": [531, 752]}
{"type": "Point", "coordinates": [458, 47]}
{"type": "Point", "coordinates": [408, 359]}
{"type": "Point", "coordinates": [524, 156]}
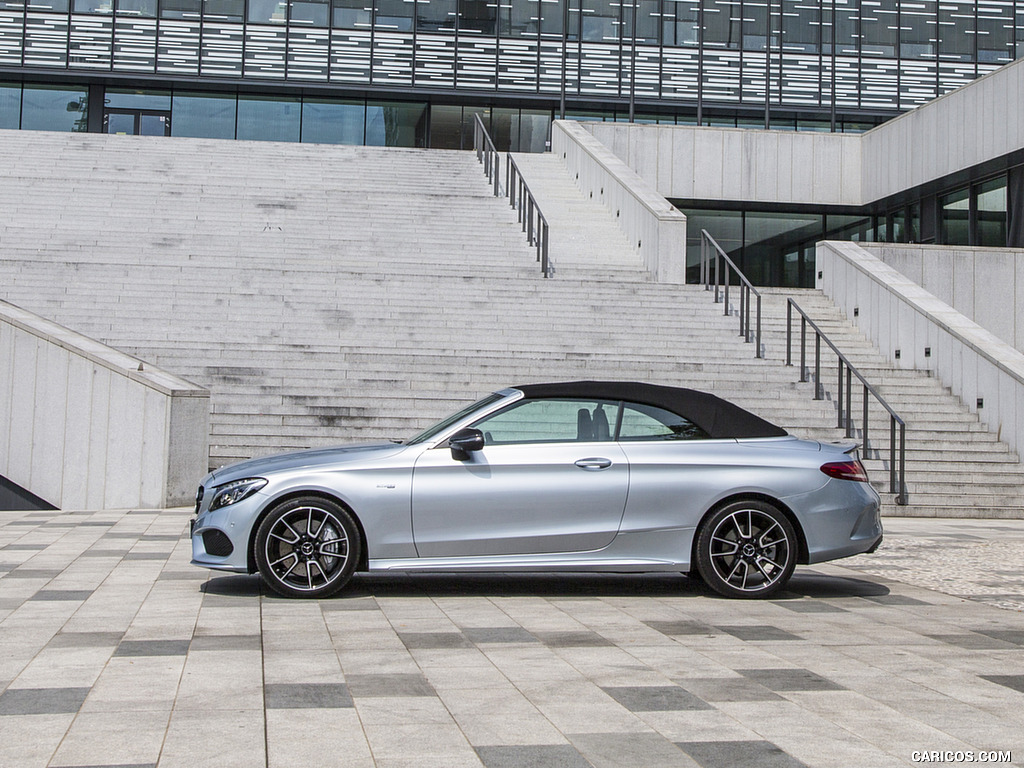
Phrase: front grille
{"type": "Point", "coordinates": [217, 543]}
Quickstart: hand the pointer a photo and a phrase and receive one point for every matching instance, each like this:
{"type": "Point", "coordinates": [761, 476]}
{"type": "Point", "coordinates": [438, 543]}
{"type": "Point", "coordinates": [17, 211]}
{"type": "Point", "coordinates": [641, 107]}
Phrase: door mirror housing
{"type": "Point", "coordinates": [464, 442]}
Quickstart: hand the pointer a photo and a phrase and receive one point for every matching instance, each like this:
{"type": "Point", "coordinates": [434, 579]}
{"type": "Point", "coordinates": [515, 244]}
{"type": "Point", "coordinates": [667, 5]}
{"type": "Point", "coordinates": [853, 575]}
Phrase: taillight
{"type": "Point", "coordinates": [846, 470]}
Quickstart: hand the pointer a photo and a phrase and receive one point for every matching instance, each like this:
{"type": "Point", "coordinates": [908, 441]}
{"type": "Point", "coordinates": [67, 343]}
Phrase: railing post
{"type": "Point", "coordinates": [902, 498]}
{"type": "Point", "coordinates": [849, 407]}
{"type": "Point", "coordinates": [789, 330]}
{"type": "Point", "coordinates": [728, 279]}
{"type": "Point", "coordinates": [892, 454]}
{"type": "Point", "coordinates": [497, 177]}
{"type": "Point", "coordinates": [803, 348]}
{"type": "Point", "coordinates": [818, 389]}
{"type": "Point", "coordinates": [718, 279]}
{"type": "Point", "coordinates": [758, 355]}
{"type": "Point", "coordinates": [864, 435]}
{"type": "Point", "coordinates": [839, 398]}
{"type": "Point", "coordinates": [544, 260]}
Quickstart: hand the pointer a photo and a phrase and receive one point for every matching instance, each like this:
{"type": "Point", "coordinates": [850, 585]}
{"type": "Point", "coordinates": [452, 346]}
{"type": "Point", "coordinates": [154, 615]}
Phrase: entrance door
{"type": "Point", "coordinates": [137, 122]}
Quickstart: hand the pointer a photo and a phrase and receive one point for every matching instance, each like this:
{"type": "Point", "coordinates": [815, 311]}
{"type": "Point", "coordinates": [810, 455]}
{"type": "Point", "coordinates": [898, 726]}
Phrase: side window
{"type": "Point", "coordinates": [645, 422]}
{"type": "Point", "coordinates": [550, 421]}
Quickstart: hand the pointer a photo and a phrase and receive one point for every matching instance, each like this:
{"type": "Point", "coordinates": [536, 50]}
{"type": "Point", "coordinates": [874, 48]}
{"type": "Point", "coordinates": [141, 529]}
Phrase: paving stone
{"type": "Point", "coordinates": [306, 695]}
{"type": "Point", "coordinates": [729, 754]}
{"type": "Point", "coordinates": [532, 756]}
{"type": "Point", "coordinates": [790, 680]}
{"type": "Point", "coordinates": [41, 701]}
{"type": "Point", "coordinates": [152, 648]}
{"type": "Point", "coordinates": [667, 698]}
{"type": "Point", "coordinates": [360, 685]}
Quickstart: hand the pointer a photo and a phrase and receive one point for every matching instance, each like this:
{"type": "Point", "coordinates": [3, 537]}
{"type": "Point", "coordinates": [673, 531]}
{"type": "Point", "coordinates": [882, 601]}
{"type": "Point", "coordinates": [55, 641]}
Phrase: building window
{"type": "Point", "coordinates": [351, 14]}
{"type": "Point", "coordinates": [396, 124]}
{"type": "Point", "coordinates": [203, 115]}
{"type": "Point", "coordinates": [955, 221]}
{"type": "Point", "coordinates": [990, 223]}
{"type": "Point", "coordinates": [333, 122]}
{"type": "Point", "coordinates": [393, 15]}
{"type": "Point", "coordinates": [181, 9]}
{"type": "Point", "coordinates": [268, 12]}
{"type": "Point", "coordinates": [268, 118]}
{"type": "Point", "coordinates": [436, 15]}
{"type": "Point", "coordinates": [55, 108]}
{"type": "Point", "coordinates": [309, 13]}
{"type": "Point", "coordinates": [478, 16]}
{"type": "Point", "coordinates": [10, 105]}
{"type": "Point", "coordinates": [223, 10]}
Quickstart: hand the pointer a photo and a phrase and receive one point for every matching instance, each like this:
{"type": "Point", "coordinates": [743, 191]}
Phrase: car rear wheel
{"type": "Point", "coordinates": [307, 547]}
{"type": "Point", "coordinates": [746, 549]}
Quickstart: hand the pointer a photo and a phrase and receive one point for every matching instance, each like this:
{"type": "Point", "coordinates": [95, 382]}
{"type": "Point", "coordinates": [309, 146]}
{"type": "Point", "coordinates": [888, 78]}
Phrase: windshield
{"type": "Point", "coordinates": [441, 426]}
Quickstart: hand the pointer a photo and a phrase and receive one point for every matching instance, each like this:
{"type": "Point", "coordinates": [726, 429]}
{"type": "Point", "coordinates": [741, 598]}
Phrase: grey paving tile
{"type": "Point", "coordinates": [895, 600]}
{"type": "Point", "coordinates": [660, 698]}
{"type": "Point", "coordinates": [306, 696]}
{"type": "Point", "coordinates": [104, 553]}
{"type": "Point", "coordinates": [790, 680]}
{"type": "Point", "coordinates": [121, 535]}
{"type": "Point", "coordinates": [152, 648]}
{"type": "Point", "coordinates": [350, 604]}
{"type": "Point", "coordinates": [22, 523]}
{"type": "Point", "coordinates": [24, 547]}
{"type": "Point", "coordinates": [33, 573]}
{"type": "Point", "coordinates": [532, 756]}
{"type": "Point", "coordinates": [389, 685]}
{"type": "Point", "coordinates": [108, 765]}
{"type": "Point", "coordinates": [147, 555]}
{"type": "Point", "coordinates": [193, 575]}
{"type": "Point", "coordinates": [583, 639]}
{"type": "Point", "coordinates": [161, 537]}
{"type": "Point", "coordinates": [5, 567]}
{"type": "Point", "coordinates": [10, 603]}
{"type": "Point", "coordinates": [681, 627]}
{"type": "Point", "coordinates": [499, 635]}
{"type": "Point", "coordinates": [973, 642]}
{"type": "Point", "coordinates": [630, 750]}
{"type": "Point", "coordinates": [94, 524]}
{"type": "Point", "coordinates": [62, 594]}
{"type": "Point", "coordinates": [729, 754]}
{"type": "Point", "coordinates": [809, 606]}
{"type": "Point", "coordinates": [757, 632]}
{"type": "Point", "coordinates": [434, 640]}
{"type": "Point", "coordinates": [226, 643]}
{"type": "Point", "coordinates": [719, 689]}
{"type": "Point", "coordinates": [85, 639]}
{"type": "Point", "coordinates": [1014, 682]}
{"type": "Point", "coordinates": [41, 701]}
{"type": "Point", "coordinates": [1014, 636]}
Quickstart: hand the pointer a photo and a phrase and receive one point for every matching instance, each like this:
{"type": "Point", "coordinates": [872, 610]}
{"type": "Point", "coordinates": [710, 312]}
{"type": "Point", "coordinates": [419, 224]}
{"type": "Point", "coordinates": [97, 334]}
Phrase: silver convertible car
{"type": "Point", "coordinates": [580, 476]}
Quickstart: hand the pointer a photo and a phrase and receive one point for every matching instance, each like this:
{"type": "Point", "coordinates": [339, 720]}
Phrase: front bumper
{"type": "Point", "coordinates": [220, 538]}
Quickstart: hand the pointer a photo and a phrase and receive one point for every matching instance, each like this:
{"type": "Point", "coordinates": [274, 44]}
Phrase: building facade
{"type": "Point", "coordinates": [412, 72]}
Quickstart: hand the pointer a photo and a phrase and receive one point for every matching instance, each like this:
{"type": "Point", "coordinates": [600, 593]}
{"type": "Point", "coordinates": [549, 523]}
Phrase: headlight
{"type": "Point", "coordinates": [234, 492]}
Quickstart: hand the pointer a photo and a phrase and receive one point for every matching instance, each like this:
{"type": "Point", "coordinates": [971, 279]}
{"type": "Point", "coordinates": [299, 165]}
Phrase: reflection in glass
{"type": "Point", "coordinates": [142, 8]}
{"type": "Point", "coordinates": [180, 9]}
{"type": "Point", "coordinates": [991, 224]}
{"type": "Point", "coordinates": [120, 98]}
{"type": "Point", "coordinates": [477, 16]}
{"type": "Point", "coordinates": [351, 14]}
{"type": "Point", "coordinates": [93, 6]}
{"type": "Point", "coordinates": [436, 15]}
{"type": "Point", "coordinates": [519, 19]}
{"type": "Point", "coordinates": [333, 122]}
{"type": "Point", "coordinates": [268, 12]}
{"type": "Point", "coordinates": [393, 16]}
{"type": "Point", "coordinates": [395, 124]}
{"type": "Point", "coordinates": [203, 115]}
{"type": "Point", "coordinates": [531, 132]}
{"type": "Point", "coordinates": [600, 21]}
{"type": "Point", "coordinates": [446, 126]}
{"type": "Point", "coordinates": [10, 105]}
{"type": "Point", "coordinates": [55, 108]}
{"type": "Point", "coordinates": [268, 118]}
{"type": "Point", "coordinates": [955, 217]}
{"type": "Point", "coordinates": [223, 10]}
{"type": "Point", "coordinates": [680, 22]}
{"type": "Point", "coordinates": [769, 238]}
{"type": "Point", "coordinates": [726, 227]}
{"type": "Point", "coordinates": [309, 13]}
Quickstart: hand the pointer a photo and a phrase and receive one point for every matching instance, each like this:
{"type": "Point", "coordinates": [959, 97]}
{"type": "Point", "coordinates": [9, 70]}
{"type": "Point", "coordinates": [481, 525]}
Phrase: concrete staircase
{"type": "Point", "coordinates": [328, 294]}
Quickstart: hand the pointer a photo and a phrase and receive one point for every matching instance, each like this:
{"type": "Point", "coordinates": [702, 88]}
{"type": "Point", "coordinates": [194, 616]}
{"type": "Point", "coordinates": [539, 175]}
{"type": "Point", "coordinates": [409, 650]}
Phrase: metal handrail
{"type": "Point", "coordinates": [487, 154]}
{"type": "Point", "coordinates": [746, 288]}
{"type": "Point", "coordinates": [535, 225]}
{"type": "Point", "coordinates": [897, 461]}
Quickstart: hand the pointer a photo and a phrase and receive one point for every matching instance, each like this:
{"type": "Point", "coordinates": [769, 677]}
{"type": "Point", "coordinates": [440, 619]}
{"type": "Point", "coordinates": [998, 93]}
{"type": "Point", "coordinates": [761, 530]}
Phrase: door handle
{"type": "Point", "coordinates": [594, 464]}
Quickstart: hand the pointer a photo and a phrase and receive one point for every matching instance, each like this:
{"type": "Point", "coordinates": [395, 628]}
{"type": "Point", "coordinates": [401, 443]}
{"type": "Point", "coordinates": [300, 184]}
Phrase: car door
{"type": "Point", "coordinates": [548, 479]}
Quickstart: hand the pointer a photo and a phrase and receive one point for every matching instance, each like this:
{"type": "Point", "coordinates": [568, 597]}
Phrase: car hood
{"type": "Point", "coordinates": [341, 454]}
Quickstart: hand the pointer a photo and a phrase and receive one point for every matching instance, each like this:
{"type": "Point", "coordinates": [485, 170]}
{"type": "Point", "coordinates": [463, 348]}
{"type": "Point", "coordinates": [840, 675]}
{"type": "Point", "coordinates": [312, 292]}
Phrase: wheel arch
{"type": "Point", "coordinates": [803, 555]}
{"type": "Point", "coordinates": [363, 563]}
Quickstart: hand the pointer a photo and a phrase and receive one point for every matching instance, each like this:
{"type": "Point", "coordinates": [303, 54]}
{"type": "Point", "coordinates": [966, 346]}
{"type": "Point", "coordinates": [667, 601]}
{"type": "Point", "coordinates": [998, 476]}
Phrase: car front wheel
{"type": "Point", "coordinates": [746, 549]}
{"type": "Point", "coordinates": [307, 547]}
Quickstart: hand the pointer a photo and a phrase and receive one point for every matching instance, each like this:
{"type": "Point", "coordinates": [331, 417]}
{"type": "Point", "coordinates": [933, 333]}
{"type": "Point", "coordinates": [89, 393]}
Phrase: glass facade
{"type": "Point", "coordinates": [805, 65]}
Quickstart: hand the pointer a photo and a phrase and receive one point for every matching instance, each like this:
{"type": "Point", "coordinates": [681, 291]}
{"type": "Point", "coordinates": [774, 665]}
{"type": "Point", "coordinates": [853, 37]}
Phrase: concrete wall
{"type": "Point", "coordinates": [985, 285]}
{"type": "Point", "coordinates": [686, 162]}
{"type": "Point", "coordinates": [646, 218]}
{"type": "Point", "coordinates": [966, 127]}
{"type": "Point", "coordinates": [82, 427]}
{"type": "Point", "coordinates": [898, 314]}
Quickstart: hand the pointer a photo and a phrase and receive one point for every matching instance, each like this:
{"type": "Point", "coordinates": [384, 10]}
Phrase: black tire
{"type": "Point", "coordinates": [307, 547]}
{"type": "Point", "coordinates": [747, 549]}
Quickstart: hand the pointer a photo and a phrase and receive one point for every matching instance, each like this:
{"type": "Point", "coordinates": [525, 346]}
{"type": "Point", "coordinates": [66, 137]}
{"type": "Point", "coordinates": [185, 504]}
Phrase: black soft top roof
{"type": "Point", "coordinates": [718, 417]}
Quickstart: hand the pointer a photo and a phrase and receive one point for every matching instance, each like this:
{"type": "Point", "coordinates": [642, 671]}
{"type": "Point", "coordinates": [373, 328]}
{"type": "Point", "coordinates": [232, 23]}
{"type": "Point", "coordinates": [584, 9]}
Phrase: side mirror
{"type": "Point", "coordinates": [464, 442]}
